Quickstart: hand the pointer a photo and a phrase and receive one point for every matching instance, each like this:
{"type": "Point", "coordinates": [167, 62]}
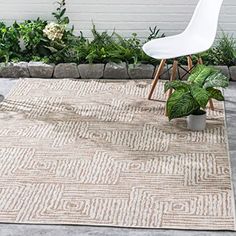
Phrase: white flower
{"type": "Point", "coordinates": [54, 31]}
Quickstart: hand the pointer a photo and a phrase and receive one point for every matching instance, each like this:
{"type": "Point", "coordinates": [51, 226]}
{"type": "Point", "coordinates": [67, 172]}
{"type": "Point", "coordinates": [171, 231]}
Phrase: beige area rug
{"type": "Point", "coordinates": [99, 153]}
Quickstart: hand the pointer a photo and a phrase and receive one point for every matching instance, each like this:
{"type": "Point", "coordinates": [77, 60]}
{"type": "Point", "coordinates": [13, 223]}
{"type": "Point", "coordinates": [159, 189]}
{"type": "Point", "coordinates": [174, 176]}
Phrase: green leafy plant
{"type": "Point", "coordinates": [62, 19]}
{"type": "Point", "coordinates": [192, 97]}
{"type": "Point", "coordinates": [223, 53]}
{"type": "Point", "coordinates": [105, 47]}
{"type": "Point", "coordinates": [64, 48]}
{"type": "Point", "coordinates": [31, 31]}
{"type": "Point", "coordinates": [128, 50]}
{"type": "Point", "coordinates": [70, 50]}
{"type": "Point", "coordinates": [42, 59]}
{"type": "Point", "coordinates": [59, 14]}
{"type": "Point", "coordinates": [51, 42]}
{"type": "Point", "coordinates": [154, 33]}
{"type": "Point", "coordinates": [9, 42]}
{"type": "Point", "coordinates": [98, 48]}
{"type": "Point", "coordinates": [55, 42]}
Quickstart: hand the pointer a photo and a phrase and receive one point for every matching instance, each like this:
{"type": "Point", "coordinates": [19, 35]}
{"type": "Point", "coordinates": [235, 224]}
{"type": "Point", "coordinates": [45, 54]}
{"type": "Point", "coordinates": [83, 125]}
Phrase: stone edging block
{"type": "Point", "coordinates": [66, 70]}
{"type": "Point", "coordinates": [116, 71]}
{"type": "Point", "coordinates": [224, 70]}
{"type": "Point", "coordinates": [91, 71]}
{"type": "Point", "coordinates": [14, 70]}
{"type": "Point", "coordinates": [141, 71]}
{"type": "Point", "coordinates": [41, 70]}
{"type": "Point", "coordinates": [232, 71]}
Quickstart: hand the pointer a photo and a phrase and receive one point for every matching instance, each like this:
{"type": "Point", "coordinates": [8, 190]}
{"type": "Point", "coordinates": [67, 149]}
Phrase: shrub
{"type": "Point", "coordinates": [223, 53]}
{"type": "Point", "coordinates": [31, 31]}
{"type": "Point", "coordinates": [9, 42]}
{"type": "Point", "coordinates": [59, 14]}
{"type": "Point", "coordinates": [56, 42]}
{"type": "Point", "coordinates": [105, 48]}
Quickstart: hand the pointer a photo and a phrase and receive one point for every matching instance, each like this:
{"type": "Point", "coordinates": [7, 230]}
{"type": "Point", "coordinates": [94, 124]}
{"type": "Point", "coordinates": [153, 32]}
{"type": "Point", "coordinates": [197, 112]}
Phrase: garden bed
{"type": "Point", "coordinates": [43, 49]}
{"type": "Point", "coordinates": [91, 71]}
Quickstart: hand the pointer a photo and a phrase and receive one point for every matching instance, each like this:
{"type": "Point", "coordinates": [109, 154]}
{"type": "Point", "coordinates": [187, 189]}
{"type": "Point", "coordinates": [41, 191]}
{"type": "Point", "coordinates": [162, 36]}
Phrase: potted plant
{"type": "Point", "coordinates": [190, 98]}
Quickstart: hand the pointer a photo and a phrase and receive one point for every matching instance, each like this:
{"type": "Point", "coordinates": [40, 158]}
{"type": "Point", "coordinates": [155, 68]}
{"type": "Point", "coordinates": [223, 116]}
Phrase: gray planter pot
{"type": "Point", "coordinates": [196, 122]}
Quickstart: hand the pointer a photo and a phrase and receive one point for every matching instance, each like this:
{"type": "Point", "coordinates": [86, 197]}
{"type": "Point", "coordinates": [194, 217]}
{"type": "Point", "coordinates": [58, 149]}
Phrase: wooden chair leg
{"type": "Point", "coordinates": [173, 75]}
{"type": "Point", "coordinates": [190, 63]}
{"type": "Point", "coordinates": [157, 77]}
{"type": "Point", "coordinates": [172, 78]}
{"type": "Point", "coordinates": [200, 61]}
{"type": "Point", "coordinates": [211, 105]}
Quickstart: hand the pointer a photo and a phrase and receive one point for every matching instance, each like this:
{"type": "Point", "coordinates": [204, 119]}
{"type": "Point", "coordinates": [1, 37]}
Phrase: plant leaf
{"type": "Point", "coordinates": [200, 95]}
{"type": "Point", "coordinates": [52, 49]}
{"type": "Point", "coordinates": [177, 84]}
{"type": "Point", "coordinates": [215, 94]}
{"type": "Point", "coordinates": [217, 79]}
{"type": "Point", "coordinates": [66, 20]}
{"type": "Point", "coordinates": [62, 12]}
{"type": "Point", "coordinates": [200, 74]}
{"type": "Point", "coordinates": [180, 104]}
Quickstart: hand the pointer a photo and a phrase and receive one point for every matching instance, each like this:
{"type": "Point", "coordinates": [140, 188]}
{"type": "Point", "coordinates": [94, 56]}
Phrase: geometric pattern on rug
{"type": "Point", "coordinates": [99, 153]}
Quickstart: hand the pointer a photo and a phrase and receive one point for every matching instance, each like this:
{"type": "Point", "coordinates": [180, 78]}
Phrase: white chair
{"type": "Point", "coordinates": [198, 37]}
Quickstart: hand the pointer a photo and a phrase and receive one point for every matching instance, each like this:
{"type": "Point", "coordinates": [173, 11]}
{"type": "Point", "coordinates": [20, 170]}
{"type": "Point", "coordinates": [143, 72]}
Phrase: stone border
{"type": "Point", "coordinates": [91, 71]}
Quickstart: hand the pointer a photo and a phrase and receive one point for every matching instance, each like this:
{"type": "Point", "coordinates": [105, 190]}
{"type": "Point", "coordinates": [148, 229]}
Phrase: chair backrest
{"type": "Point", "coordinates": [205, 20]}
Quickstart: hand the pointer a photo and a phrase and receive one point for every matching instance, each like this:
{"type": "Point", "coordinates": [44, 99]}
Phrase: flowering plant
{"type": "Point", "coordinates": [54, 31]}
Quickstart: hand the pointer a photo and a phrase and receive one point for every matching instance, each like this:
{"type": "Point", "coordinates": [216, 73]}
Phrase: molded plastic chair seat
{"type": "Point", "coordinates": [175, 46]}
{"type": "Point", "coordinates": [197, 37]}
